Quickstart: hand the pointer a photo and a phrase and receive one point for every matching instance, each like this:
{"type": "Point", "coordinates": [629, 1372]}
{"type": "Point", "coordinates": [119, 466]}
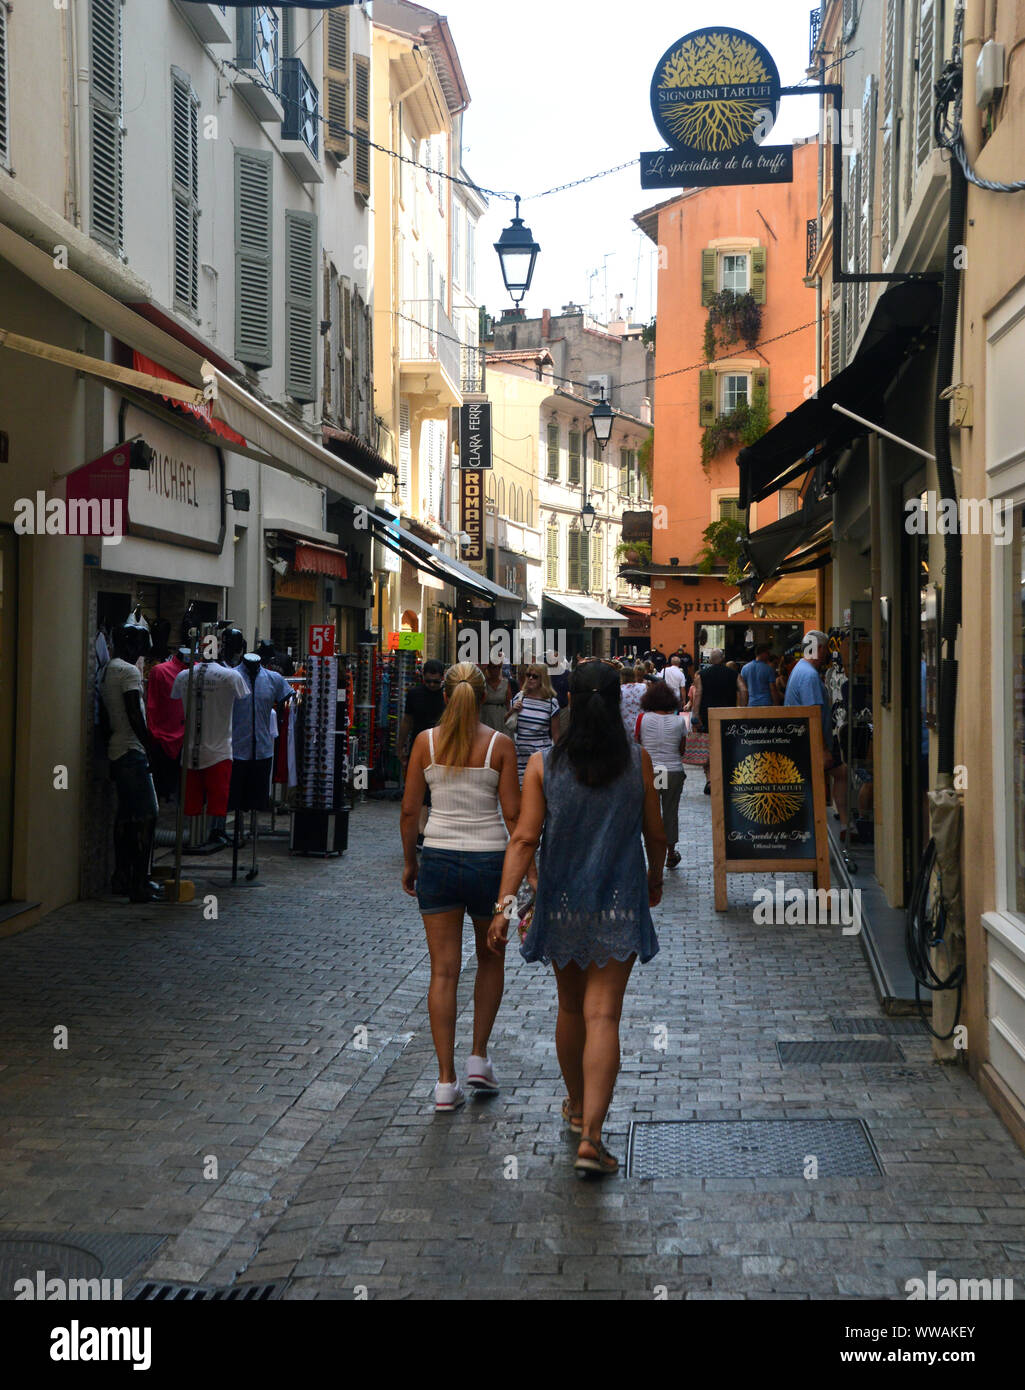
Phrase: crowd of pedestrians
{"type": "Point", "coordinates": [549, 798]}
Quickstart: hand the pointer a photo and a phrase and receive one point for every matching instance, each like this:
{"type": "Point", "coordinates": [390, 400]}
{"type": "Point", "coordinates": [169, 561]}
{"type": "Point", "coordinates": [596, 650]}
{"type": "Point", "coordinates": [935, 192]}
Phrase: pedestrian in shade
{"type": "Point", "coordinates": [593, 795]}
{"type": "Point", "coordinates": [715, 687]}
{"type": "Point", "coordinates": [662, 730]}
{"type": "Point", "coordinates": [537, 711]}
{"type": "Point", "coordinates": [471, 771]}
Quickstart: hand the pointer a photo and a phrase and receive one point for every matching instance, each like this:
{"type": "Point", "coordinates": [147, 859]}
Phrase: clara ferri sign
{"type": "Point", "coordinates": [475, 434]}
{"type": "Point", "coordinates": [715, 97]}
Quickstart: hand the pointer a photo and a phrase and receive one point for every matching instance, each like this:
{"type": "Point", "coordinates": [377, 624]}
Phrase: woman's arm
{"type": "Point", "coordinates": [412, 804]}
{"type": "Point", "coordinates": [653, 831]}
{"type": "Point", "coordinates": [519, 855]}
{"type": "Point", "coordinates": [508, 780]}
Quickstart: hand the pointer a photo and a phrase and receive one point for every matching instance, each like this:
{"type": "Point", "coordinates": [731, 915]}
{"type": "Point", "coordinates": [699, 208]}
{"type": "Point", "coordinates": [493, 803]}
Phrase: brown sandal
{"type": "Point", "coordinates": [604, 1163]}
{"type": "Point", "coordinates": [574, 1119]}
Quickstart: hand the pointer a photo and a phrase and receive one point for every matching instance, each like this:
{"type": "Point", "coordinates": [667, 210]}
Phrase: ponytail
{"type": "Point", "coordinates": [457, 728]}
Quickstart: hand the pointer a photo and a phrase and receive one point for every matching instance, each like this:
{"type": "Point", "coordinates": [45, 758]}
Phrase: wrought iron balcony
{"type": "Point", "coordinates": [814, 28]}
{"type": "Point", "coordinates": [813, 243]}
{"type": "Point", "coordinates": [472, 370]}
{"type": "Point", "coordinates": [300, 129]}
{"type": "Point", "coordinates": [258, 54]}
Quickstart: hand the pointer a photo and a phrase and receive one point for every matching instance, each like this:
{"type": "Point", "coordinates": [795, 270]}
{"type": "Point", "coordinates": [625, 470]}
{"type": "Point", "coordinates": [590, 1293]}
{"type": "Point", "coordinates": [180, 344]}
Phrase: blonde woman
{"type": "Point", "coordinates": [537, 705]}
{"type": "Point", "coordinates": [471, 771]}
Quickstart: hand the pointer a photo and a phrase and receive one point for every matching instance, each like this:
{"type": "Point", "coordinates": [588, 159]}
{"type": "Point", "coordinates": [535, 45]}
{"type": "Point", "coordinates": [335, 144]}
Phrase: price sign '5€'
{"type": "Point", "coordinates": [322, 639]}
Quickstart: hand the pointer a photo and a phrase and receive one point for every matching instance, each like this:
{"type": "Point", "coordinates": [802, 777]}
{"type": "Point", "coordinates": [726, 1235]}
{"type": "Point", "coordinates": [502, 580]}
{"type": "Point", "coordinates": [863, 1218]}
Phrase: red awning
{"type": "Point", "coordinates": [319, 559]}
{"type": "Point", "coordinates": [201, 412]}
{"type": "Point", "coordinates": [640, 610]}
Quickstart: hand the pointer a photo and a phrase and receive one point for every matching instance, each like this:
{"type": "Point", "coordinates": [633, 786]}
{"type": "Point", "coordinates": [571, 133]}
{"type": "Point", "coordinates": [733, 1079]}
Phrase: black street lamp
{"type": "Point", "coordinates": [517, 253]}
{"type": "Point", "coordinates": [587, 518]}
{"type": "Point", "coordinates": [602, 417]}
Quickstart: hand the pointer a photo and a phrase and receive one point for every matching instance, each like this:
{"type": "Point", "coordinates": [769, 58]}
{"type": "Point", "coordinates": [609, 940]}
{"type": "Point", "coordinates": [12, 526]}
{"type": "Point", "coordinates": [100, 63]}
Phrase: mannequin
{"type": "Point", "coordinates": [253, 744]}
{"type": "Point", "coordinates": [166, 720]}
{"type": "Point", "coordinates": [233, 645]}
{"type": "Point", "coordinates": [207, 749]}
{"type": "Point", "coordinates": [128, 750]}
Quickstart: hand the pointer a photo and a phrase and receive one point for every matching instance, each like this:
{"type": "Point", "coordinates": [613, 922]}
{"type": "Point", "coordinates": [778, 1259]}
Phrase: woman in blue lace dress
{"type": "Point", "coordinates": [593, 794]}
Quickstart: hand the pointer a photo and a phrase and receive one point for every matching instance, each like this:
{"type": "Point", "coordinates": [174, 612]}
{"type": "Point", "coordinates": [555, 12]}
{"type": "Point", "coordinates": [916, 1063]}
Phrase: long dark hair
{"type": "Point", "coordinates": [594, 739]}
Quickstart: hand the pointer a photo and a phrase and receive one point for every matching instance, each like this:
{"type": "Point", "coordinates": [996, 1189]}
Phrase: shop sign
{"type": "Point", "coordinates": [475, 434]}
{"type": "Point", "coordinates": [304, 587]}
{"type": "Point", "coordinates": [768, 793]}
{"type": "Point", "coordinates": [471, 517]}
{"type": "Point", "coordinates": [405, 641]}
{"type": "Point", "coordinates": [180, 498]}
{"type": "Point", "coordinates": [715, 98]}
{"type": "Point", "coordinates": [321, 639]}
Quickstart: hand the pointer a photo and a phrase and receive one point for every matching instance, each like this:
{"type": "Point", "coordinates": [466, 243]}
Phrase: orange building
{"type": "Point", "coordinates": [751, 239]}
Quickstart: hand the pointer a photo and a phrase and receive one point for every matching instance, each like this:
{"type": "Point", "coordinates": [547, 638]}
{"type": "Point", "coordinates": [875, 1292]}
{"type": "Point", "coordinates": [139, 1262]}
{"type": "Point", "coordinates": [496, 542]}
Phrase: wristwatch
{"type": "Point", "coordinates": [498, 909]}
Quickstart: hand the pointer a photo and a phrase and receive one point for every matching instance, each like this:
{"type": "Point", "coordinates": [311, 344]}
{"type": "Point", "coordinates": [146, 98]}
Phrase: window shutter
{"type": "Point", "coordinates": [367, 360]}
{"type": "Point", "coordinates": [927, 48]}
{"type": "Point", "coordinates": [253, 309]}
{"type": "Point", "coordinates": [598, 471]}
{"type": "Point", "coordinates": [106, 133]}
{"type": "Point", "coordinates": [357, 364]}
{"type": "Point", "coordinates": [729, 509]}
{"type": "Point", "coordinates": [553, 451]}
{"type": "Point", "coordinates": [709, 266]}
{"type": "Point", "coordinates": [327, 394]}
{"type": "Point", "coordinates": [336, 84]}
{"type": "Point", "coordinates": [405, 448]}
{"type": "Point", "coordinates": [887, 199]}
{"type": "Point", "coordinates": [301, 305]}
{"type": "Point", "coordinates": [760, 382]}
{"type": "Point", "coordinates": [287, 33]}
{"type": "Point", "coordinates": [574, 456]}
{"type": "Point", "coordinates": [574, 559]}
{"type": "Point", "coordinates": [866, 188]}
{"type": "Point", "coordinates": [5, 130]}
{"type": "Point", "coordinates": [361, 122]}
{"type": "Point", "coordinates": [758, 259]}
{"type": "Point", "coordinates": [552, 556]}
{"type": "Point", "coordinates": [185, 191]}
{"type": "Point", "coordinates": [835, 345]}
{"type": "Point", "coordinates": [597, 578]}
{"type": "Point", "coordinates": [850, 17]}
{"type": "Point", "coordinates": [706, 389]}
{"type": "Point", "coordinates": [346, 364]}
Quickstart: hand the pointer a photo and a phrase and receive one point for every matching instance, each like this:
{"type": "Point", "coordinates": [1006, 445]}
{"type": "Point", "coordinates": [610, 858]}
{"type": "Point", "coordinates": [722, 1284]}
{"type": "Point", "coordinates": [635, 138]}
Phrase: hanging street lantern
{"type": "Point", "coordinates": [587, 518]}
{"type": "Point", "coordinates": [517, 253]}
{"type": "Point", "coordinates": [602, 417]}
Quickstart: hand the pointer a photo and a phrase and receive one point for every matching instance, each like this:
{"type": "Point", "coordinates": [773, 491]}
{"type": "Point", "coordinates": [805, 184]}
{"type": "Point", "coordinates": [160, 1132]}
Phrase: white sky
{"type": "Point", "coordinates": [560, 89]}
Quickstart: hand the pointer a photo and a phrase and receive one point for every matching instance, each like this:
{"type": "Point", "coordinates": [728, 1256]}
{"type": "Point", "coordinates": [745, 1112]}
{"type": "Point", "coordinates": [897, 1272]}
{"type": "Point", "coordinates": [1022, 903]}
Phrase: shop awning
{"type": "Point", "coordinates": [419, 553]}
{"type": "Point", "coordinates": [593, 613]}
{"type": "Point", "coordinates": [319, 559]}
{"type": "Point", "coordinates": [794, 544]}
{"type": "Point", "coordinates": [352, 449]}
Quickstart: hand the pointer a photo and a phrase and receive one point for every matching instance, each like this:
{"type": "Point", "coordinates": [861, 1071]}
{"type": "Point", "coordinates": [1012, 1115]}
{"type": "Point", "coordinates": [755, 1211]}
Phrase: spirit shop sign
{"type": "Point", "coordinates": [768, 793]}
{"type": "Point", "coordinates": [715, 97]}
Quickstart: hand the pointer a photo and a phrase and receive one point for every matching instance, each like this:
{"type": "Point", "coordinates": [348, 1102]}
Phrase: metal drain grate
{"type": "Point", "coordinates": [750, 1149]}
{"type": "Point", "coordinates": [862, 1050]}
{"type": "Point", "coordinates": [189, 1293]}
{"type": "Point", "coordinates": [883, 1027]}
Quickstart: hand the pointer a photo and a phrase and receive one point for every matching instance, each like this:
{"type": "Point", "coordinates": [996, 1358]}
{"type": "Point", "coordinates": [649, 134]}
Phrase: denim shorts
{"type": "Point", "coordinates": [136, 799]}
{"type": "Point", "coordinates": [456, 879]}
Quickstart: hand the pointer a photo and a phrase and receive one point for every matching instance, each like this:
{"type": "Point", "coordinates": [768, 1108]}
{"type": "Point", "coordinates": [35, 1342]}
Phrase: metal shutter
{"type": "Point", "coordinates": [253, 309]}
{"type": "Point", "coordinates": [361, 123]}
{"type": "Point", "coordinates": [185, 191]}
{"type": "Point", "coordinates": [106, 152]}
{"type": "Point", "coordinates": [336, 84]}
{"type": "Point", "coordinates": [301, 305]}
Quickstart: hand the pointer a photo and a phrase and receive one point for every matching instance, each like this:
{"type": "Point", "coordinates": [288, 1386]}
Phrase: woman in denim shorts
{"type": "Point", "coordinates": [475, 800]}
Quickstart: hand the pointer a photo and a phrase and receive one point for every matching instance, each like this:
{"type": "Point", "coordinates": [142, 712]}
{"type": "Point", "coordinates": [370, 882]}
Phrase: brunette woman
{"type": "Point", "coordinates": [471, 771]}
{"type": "Point", "coordinates": [593, 794]}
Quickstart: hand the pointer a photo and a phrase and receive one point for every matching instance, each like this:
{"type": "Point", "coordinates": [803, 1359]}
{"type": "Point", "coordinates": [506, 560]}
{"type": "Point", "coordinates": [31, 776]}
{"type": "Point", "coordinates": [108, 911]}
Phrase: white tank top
{"type": "Point", "coordinates": [660, 735]}
{"type": "Point", "coordinates": [465, 813]}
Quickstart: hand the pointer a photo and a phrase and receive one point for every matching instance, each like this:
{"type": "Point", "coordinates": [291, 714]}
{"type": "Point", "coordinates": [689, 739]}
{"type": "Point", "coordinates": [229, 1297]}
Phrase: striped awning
{"type": "Point", "coordinates": [319, 559]}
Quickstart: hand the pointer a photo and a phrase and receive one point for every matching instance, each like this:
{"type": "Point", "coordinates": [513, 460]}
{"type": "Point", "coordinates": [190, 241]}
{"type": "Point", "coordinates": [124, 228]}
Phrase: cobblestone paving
{"type": "Point", "coordinates": [233, 1042]}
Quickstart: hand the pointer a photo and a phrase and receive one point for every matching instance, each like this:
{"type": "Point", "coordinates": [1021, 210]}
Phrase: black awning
{"type": "Point", "coordinates": [444, 567]}
{"type": "Point", "coordinates": [768, 547]}
{"type": "Point", "coordinates": [814, 434]}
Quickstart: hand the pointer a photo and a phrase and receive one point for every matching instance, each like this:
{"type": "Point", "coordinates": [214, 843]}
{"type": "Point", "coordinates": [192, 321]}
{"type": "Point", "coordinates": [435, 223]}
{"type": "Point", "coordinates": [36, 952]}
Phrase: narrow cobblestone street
{"type": "Point", "coordinates": [236, 1041]}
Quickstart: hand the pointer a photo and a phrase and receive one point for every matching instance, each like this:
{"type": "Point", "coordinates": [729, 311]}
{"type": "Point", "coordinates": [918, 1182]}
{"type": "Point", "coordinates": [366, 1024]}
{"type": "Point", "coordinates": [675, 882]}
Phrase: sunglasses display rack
{"type": "Point", "coordinates": [320, 822]}
{"type": "Point", "coordinates": [365, 683]}
{"type": "Point", "coordinates": [399, 676]}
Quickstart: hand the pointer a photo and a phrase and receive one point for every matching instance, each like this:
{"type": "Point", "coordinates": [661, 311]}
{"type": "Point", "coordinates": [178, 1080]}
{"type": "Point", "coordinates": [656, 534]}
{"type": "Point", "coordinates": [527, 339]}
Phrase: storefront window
{"type": "Point", "coordinates": [1017, 677]}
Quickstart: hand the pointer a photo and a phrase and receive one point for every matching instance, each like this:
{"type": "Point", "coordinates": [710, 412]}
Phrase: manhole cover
{"type": "Point", "coordinates": [861, 1050]}
{"type": "Point", "coordinates": [50, 1259]}
{"type": "Point", "coordinates": [750, 1149]}
{"type": "Point", "coordinates": [883, 1027]}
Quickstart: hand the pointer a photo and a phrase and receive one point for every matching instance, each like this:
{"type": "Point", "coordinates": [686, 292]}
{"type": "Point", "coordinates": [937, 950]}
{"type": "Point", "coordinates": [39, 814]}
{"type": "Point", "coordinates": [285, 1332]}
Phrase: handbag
{"type": "Point", "coordinates": [696, 752]}
{"type": "Point", "coordinates": [512, 719]}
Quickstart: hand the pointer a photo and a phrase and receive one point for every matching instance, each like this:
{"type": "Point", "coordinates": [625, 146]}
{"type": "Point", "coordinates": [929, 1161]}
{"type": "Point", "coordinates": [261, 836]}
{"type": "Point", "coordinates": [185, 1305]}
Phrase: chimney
{"type": "Point", "coordinates": [546, 325]}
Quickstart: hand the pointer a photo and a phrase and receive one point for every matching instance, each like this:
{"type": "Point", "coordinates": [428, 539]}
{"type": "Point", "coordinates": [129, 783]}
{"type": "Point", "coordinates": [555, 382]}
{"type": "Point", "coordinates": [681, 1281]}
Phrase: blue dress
{"type": "Point", "coordinates": [592, 897]}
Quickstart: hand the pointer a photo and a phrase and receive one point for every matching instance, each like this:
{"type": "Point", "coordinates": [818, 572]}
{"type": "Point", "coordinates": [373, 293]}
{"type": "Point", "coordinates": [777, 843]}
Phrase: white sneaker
{"type": "Point", "coordinates": [481, 1075]}
{"type": "Point", "coordinates": [448, 1095]}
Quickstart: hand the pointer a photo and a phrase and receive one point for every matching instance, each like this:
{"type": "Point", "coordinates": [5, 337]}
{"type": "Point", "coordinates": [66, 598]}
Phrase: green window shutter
{"type": "Point", "coordinates": [707, 411]}
{"type": "Point", "coordinates": [729, 509]}
{"type": "Point", "coordinates": [301, 306]}
{"type": "Point", "coordinates": [553, 451]}
{"type": "Point", "coordinates": [574, 560]}
{"type": "Point", "coordinates": [574, 456]}
{"type": "Point", "coordinates": [709, 267]}
{"type": "Point", "coordinates": [336, 84]}
{"type": "Point", "coordinates": [253, 244]}
{"type": "Point", "coordinates": [185, 191]}
{"type": "Point", "coordinates": [760, 382]}
{"type": "Point", "coordinates": [758, 258]}
{"type": "Point", "coordinates": [106, 135]}
{"type": "Point", "coordinates": [552, 557]}
{"type": "Point", "coordinates": [598, 472]}
{"type": "Point", "coordinates": [597, 577]}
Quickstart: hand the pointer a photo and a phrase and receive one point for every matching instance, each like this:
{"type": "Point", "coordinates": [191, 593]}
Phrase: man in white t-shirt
{"type": "Point", "coordinates": [120, 687]}
{"type": "Point", "coordinates": [675, 679]}
{"type": "Point", "coordinates": [207, 746]}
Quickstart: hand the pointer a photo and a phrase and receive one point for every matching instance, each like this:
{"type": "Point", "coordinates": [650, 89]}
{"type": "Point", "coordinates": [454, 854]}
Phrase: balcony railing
{"type": "Point", "coordinates": [259, 42]}
{"type": "Point", "coordinates": [472, 370]}
{"type": "Point", "coordinates": [426, 333]}
{"type": "Point", "coordinates": [814, 28]}
{"type": "Point", "coordinates": [302, 105]}
{"type": "Point", "coordinates": [813, 243]}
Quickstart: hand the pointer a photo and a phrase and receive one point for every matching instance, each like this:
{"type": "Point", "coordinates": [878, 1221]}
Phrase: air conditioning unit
{"type": "Point", "coordinates": [596, 385]}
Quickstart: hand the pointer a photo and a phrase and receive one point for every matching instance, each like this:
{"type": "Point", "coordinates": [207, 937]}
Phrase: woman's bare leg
{"type": "Point", "coordinates": [603, 1007]}
{"type": "Point", "coordinates": [445, 943]}
{"type": "Point", "coordinates": [488, 988]}
{"type": "Point", "coordinates": [569, 1032]}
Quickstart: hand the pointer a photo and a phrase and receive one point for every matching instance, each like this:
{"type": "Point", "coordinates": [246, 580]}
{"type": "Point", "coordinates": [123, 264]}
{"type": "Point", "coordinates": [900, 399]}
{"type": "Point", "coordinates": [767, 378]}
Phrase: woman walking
{"type": "Point", "coordinates": [634, 686]}
{"type": "Point", "coordinates": [471, 771]}
{"type": "Point", "coordinates": [537, 708]}
{"type": "Point", "coordinates": [593, 794]}
{"type": "Point", "coordinates": [497, 697]}
{"type": "Point", "coordinates": [662, 730]}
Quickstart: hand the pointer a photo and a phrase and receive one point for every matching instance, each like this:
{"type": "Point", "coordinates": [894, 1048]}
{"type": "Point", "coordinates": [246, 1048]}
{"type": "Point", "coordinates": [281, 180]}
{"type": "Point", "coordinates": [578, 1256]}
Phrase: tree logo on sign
{"type": "Point", "coordinates": [713, 90]}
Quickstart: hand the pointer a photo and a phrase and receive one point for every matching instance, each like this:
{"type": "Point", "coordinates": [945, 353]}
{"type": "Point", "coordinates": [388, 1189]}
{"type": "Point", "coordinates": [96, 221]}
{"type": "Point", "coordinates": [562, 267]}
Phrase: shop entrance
{"type": "Point", "coordinates": [738, 640]}
{"type": "Point", "coordinates": [8, 699]}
